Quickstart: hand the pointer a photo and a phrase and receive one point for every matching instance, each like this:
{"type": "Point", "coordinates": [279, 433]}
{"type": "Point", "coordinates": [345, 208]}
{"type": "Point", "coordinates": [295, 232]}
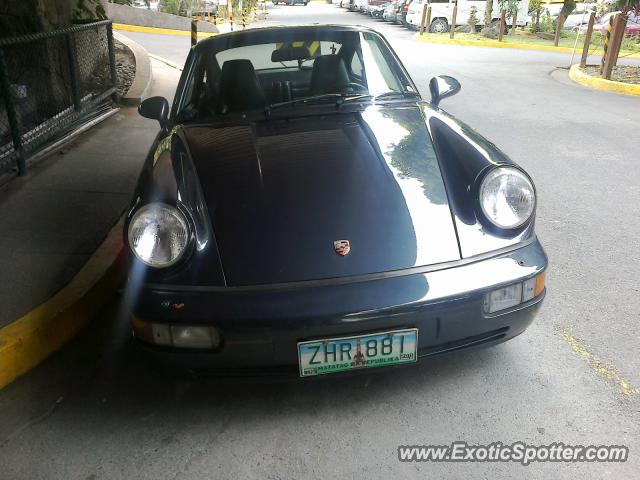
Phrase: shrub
{"type": "Point", "coordinates": [547, 25]}
{"type": "Point", "coordinates": [535, 7]}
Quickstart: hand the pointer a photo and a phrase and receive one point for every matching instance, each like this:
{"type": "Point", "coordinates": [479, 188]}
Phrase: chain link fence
{"type": "Point", "coordinates": [49, 83]}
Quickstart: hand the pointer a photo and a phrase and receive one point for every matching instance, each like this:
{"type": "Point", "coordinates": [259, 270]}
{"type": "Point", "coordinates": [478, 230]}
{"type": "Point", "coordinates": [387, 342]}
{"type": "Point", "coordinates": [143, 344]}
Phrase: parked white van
{"type": "Point", "coordinates": [442, 11]}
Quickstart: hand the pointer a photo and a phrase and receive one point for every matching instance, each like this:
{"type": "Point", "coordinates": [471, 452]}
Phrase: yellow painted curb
{"type": "Point", "coordinates": [33, 337]}
{"type": "Point", "coordinates": [159, 31]}
{"type": "Point", "coordinates": [519, 46]}
{"type": "Point", "coordinates": [600, 83]}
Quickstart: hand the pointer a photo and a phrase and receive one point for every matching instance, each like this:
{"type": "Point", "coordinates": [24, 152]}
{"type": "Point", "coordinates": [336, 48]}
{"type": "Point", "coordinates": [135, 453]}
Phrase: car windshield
{"type": "Point", "coordinates": [297, 68]}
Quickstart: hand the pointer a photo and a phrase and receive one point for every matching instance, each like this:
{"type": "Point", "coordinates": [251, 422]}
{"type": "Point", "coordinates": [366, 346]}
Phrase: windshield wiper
{"type": "Point", "coordinates": [341, 99]}
{"type": "Point", "coordinates": [313, 98]}
{"type": "Point", "coordinates": [395, 94]}
{"type": "Point", "coordinates": [382, 96]}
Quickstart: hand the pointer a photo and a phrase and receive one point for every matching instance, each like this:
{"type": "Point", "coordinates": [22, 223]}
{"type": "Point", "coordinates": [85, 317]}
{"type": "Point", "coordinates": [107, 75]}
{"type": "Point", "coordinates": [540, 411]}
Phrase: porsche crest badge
{"type": "Point", "coordinates": [342, 247]}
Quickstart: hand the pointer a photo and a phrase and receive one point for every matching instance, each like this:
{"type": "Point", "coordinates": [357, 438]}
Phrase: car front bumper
{"type": "Point", "coordinates": [262, 326]}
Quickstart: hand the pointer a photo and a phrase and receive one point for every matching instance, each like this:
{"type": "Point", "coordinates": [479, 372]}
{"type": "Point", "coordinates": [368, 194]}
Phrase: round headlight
{"type": "Point", "coordinates": [507, 197]}
{"type": "Point", "coordinates": [158, 235]}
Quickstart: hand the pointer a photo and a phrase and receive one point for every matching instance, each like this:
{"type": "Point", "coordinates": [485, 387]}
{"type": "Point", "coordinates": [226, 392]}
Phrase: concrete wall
{"type": "Point", "coordinates": [149, 18]}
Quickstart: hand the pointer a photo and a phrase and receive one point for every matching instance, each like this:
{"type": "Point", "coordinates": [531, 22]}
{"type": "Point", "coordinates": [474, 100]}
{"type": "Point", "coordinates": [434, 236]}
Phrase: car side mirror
{"type": "Point", "coordinates": [155, 108]}
{"type": "Point", "coordinates": [443, 86]}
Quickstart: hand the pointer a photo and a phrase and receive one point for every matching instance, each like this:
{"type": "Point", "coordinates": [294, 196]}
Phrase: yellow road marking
{"type": "Point", "coordinates": [314, 48]}
{"type": "Point", "coordinates": [159, 31]}
{"type": "Point", "coordinates": [602, 367]}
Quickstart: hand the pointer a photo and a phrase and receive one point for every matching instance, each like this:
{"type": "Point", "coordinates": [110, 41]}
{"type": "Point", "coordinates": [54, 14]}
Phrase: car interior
{"type": "Point", "coordinates": [235, 78]}
{"type": "Point", "coordinates": [225, 86]}
{"type": "Point", "coordinates": [242, 88]}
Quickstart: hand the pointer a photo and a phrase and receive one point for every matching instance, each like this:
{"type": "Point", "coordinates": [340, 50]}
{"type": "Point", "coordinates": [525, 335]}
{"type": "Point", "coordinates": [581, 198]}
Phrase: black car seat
{"type": "Point", "coordinates": [282, 91]}
{"type": "Point", "coordinates": [329, 75]}
{"type": "Point", "coordinates": [240, 89]}
{"type": "Point", "coordinates": [211, 97]}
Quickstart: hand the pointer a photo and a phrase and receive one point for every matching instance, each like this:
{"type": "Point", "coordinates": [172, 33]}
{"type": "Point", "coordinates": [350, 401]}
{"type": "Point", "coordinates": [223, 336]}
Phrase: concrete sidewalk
{"type": "Point", "coordinates": [54, 219]}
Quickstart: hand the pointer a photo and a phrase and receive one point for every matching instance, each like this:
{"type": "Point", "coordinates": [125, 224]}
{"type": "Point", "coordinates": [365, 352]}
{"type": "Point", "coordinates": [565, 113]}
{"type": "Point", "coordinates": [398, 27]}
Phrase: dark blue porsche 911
{"type": "Point", "coordinates": [304, 211]}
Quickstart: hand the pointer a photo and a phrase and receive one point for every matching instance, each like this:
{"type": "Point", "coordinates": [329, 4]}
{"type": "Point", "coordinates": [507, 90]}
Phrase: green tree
{"type": "Point", "coordinates": [546, 24]}
{"type": "Point", "coordinates": [29, 16]}
{"type": "Point", "coordinates": [535, 7]}
{"type": "Point", "coordinates": [630, 7]}
{"type": "Point", "coordinates": [178, 7]}
{"type": "Point", "coordinates": [633, 4]}
{"type": "Point", "coordinates": [567, 8]}
{"type": "Point", "coordinates": [511, 6]}
{"type": "Point", "coordinates": [90, 10]}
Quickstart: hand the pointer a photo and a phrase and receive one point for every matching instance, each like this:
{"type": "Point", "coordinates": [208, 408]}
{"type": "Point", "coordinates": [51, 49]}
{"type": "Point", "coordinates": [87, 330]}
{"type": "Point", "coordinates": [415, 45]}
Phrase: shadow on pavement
{"type": "Point", "coordinates": [103, 378]}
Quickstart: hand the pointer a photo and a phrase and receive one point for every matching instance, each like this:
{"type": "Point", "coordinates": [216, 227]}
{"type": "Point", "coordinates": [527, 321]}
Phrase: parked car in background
{"type": "Point", "coordinates": [374, 6]}
{"type": "Point", "coordinates": [404, 9]}
{"type": "Point", "coordinates": [579, 16]}
{"type": "Point", "coordinates": [552, 9]}
{"type": "Point", "coordinates": [377, 11]}
{"type": "Point", "coordinates": [631, 30]}
{"type": "Point", "coordinates": [442, 13]}
{"type": "Point", "coordinates": [414, 13]}
{"type": "Point", "coordinates": [291, 2]}
{"type": "Point", "coordinates": [357, 5]}
{"type": "Point", "coordinates": [392, 11]}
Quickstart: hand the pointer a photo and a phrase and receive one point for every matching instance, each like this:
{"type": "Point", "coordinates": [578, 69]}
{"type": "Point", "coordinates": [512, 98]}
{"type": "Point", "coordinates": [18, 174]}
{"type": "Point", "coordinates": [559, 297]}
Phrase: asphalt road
{"type": "Point", "coordinates": [99, 410]}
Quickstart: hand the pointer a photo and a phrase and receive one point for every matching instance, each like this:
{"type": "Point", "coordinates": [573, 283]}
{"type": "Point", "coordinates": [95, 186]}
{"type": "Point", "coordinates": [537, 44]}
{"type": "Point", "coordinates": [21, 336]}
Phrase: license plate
{"type": "Point", "coordinates": [332, 355]}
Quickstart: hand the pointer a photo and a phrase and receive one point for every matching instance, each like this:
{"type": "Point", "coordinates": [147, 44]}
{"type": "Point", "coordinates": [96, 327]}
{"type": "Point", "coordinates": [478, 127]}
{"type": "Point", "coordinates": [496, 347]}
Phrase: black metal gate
{"type": "Point", "coordinates": [50, 82]}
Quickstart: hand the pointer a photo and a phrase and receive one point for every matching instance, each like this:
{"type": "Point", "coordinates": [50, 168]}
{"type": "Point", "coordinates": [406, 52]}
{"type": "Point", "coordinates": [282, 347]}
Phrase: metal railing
{"type": "Point", "coordinates": [49, 83]}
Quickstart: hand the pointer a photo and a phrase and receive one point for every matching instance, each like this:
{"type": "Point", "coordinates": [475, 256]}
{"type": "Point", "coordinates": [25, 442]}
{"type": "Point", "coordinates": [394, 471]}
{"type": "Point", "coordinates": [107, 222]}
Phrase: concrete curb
{"type": "Point", "coordinates": [159, 31]}
{"type": "Point", "coordinates": [33, 337]}
{"type": "Point", "coordinates": [599, 83]}
{"type": "Point", "coordinates": [144, 74]}
{"type": "Point", "coordinates": [519, 46]}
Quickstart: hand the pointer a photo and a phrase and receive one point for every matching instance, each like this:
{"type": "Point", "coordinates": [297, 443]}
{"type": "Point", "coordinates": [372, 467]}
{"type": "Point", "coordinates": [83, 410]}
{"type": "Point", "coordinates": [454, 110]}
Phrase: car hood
{"type": "Point", "coordinates": [280, 192]}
